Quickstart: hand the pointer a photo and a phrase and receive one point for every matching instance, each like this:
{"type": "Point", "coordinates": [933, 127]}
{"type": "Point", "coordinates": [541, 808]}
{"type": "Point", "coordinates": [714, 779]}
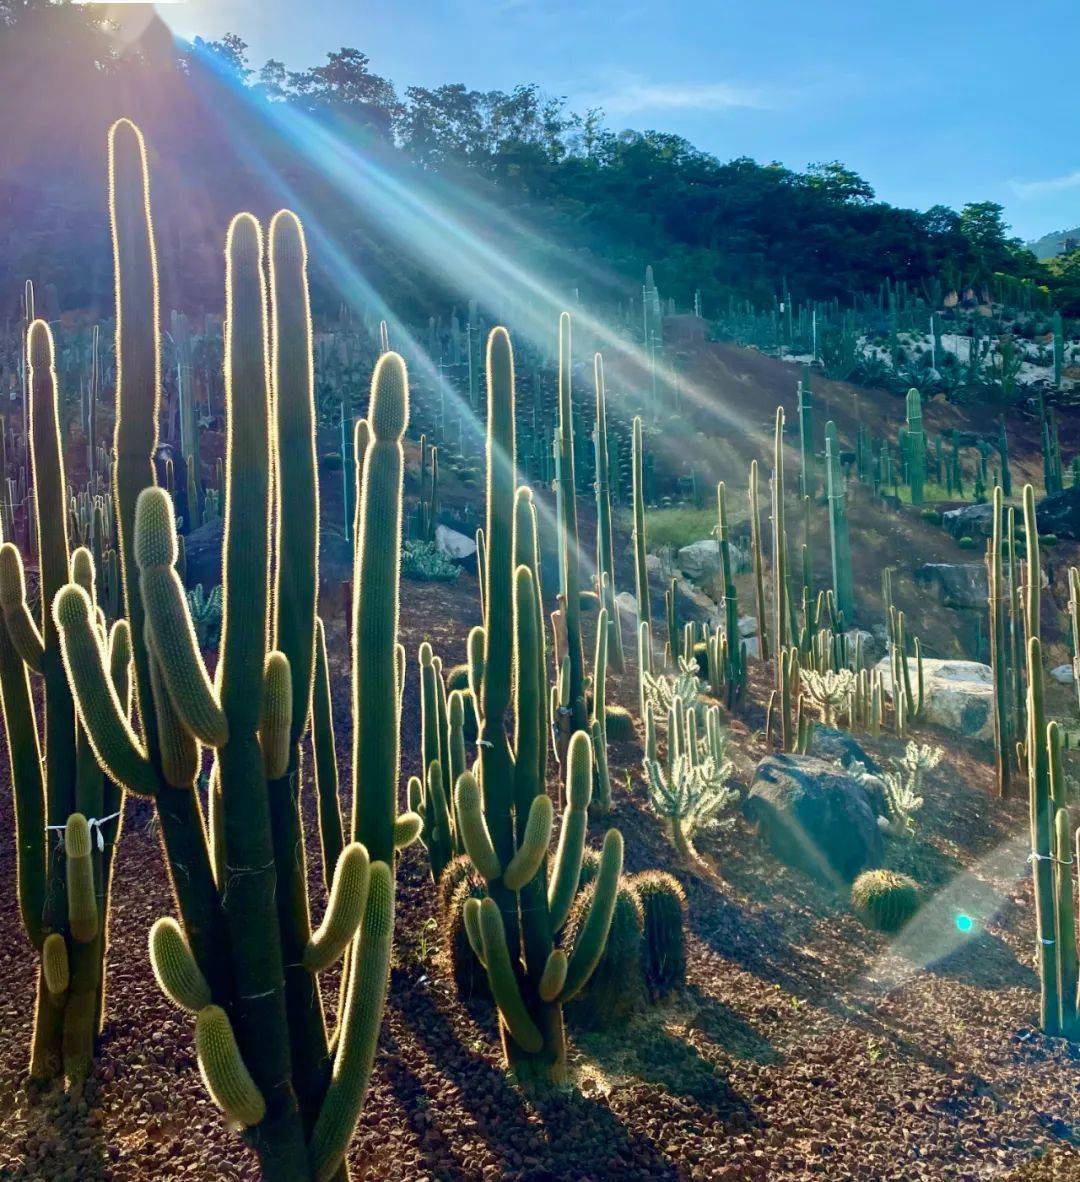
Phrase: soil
{"type": "Point", "coordinates": [804, 1046]}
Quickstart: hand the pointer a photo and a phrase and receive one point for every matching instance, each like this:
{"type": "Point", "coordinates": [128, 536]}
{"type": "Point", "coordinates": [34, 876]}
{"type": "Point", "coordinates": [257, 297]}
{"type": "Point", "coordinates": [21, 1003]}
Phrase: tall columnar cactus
{"type": "Point", "coordinates": [999, 654]}
{"type": "Point", "coordinates": [808, 473]}
{"type": "Point", "coordinates": [734, 649]}
{"type": "Point", "coordinates": [1059, 348]}
{"type": "Point", "coordinates": [916, 447]}
{"type": "Point", "coordinates": [505, 819]}
{"type": "Point", "coordinates": [641, 570]}
{"type": "Point", "coordinates": [758, 563]}
{"type": "Point", "coordinates": [843, 580]}
{"type": "Point", "coordinates": [568, 531]}
{"type": "Point", "coordinates": [244, 958]}
{"type": "Point", "coordinates": [605, 546]}
{"type": "Point", "coordinates": [781, 621]}
{"type": "Point", "coordinates": [1003, 457]}
{"type": "Point", "coordinates": [63, 805]}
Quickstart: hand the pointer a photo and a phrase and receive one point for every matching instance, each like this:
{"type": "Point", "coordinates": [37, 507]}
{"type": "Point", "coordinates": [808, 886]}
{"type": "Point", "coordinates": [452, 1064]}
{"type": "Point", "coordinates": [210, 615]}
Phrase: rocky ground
{"type": "Point", "coordinates": [804, 1046]}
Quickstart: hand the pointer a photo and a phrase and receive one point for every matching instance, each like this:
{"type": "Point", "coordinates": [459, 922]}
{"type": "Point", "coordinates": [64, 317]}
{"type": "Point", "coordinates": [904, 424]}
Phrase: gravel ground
{"type": "Point", "coordinates": [803, 1047]}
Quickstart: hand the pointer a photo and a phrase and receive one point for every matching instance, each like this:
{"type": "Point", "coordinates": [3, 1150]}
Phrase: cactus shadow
{"type": "Point", "coordinates": [485, 1088]}
{"type": "Point", "coordinates": [655, 1047]}
{"type": "Point", "coordinates": [987, 962]}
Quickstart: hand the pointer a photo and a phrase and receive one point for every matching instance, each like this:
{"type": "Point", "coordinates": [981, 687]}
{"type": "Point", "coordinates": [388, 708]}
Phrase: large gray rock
{"type": "Point", "coordinates": [958, 584]}
{"type": "Point", "coordinates": [1059, 513]}
{"type": "Point", "coordinates": [453, 544]}
{"type": "Point", "coordinates": [839, 747]}
{"type": "Point", "coordinates": [815, 817]}
{"type": "Point", "coordinates": [970, 521]}
{"type": "Point", "coordinates": [701, 560]}
{"type": "Point", "coordinates": [959, 695]}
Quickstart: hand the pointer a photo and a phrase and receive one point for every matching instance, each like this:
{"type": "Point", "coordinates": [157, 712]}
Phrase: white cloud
{"type": "Point", "coordinates": [1056, 184]}
{"type": "Point", "coordinates": [633, 94]}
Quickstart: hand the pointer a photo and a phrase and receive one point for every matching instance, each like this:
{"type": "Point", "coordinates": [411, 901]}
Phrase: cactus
{"type": "Point", "coordinates": [1059, 348]}
{"type": "Point", "coordinates": [569, 549]}
{"type": "Point", "coordinates": [781, 622]}
{"type": "Point", "coordinates": [1003, 457]}
{"type": "Point", "coordinates": [605, 547]}
{"type": "Point", "coordinates": [843, 580]}
{"type": "Point", "coordinates": [502, 812]}
{"type": "Point", "coordinates": [734, 651]}
{"type": "Point", "coordinates": [663, 905]}
{"type": "Point", "coordinates": [916, 447]}
{"type": "Point", "coordinates": [999, 655]}
{"type": "Point", "coordinates": [884, 900]}
{"type": "Point", "coordinates": [641, 570]}
{"type": "Point", "coordinates": [808, 474]}
{"type": "Point", "coordinates": [245, 957]}
{"type": "Point", "coordinates": [758, 563]}
{"type": "Point", "coordinates": [63, 884]}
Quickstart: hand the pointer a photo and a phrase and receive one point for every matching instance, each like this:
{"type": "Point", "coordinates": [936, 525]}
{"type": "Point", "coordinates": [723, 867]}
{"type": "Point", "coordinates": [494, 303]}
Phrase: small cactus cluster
{"type": "Point", "coordinates": [884, 900]}
{"type": "Point", "coordinates": [488, 825]}
{"type": "Point", "coordinates": [243, 958]}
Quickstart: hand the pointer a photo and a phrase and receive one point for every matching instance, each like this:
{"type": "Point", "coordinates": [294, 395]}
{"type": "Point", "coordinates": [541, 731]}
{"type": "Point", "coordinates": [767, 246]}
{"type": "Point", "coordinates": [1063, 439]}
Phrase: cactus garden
{"type": "Point", "coordinates": [481, 710]}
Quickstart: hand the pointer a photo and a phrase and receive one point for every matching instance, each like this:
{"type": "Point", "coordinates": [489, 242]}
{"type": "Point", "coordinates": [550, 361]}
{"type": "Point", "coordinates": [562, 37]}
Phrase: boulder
{"type": "Point", "coordinates": [814, 817]}
{"type": "Point", "coordinates": [959, 695]}
{"type": "Point", "coordinates": [839, 747]}
{"type": "Point", "coordinates": [958, 584]}
{"type": "Point", "coordinates": [627, 604]}
{"type": "Point", "coordinates": [453, 544]}
{"type": "Point", "coordinates": [1059, 513]}
{"type": "Point", "coordinates": [969, 521]}
{"type": "Point", "coordinates": [748, 626]}
{"type": "Point", "coordinates": [1062, 674]}
{"type": "Point", "coordinates": [701, 560]}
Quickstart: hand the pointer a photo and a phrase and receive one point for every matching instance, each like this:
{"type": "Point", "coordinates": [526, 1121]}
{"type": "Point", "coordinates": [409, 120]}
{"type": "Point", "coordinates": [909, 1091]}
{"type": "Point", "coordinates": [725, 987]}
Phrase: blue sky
{"type": "Point", "coordinates": [931, 102]}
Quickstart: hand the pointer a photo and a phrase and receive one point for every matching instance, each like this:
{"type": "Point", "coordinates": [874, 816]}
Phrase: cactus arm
{"type": "Point", "coordinates": [470, 915]}
{"type": "Point", "coordinates": [358, 1037]}
{"type": "Point", "coordinates": [172, 634]}
{"type": "Point", "coordinates": [504, 984]}
{"type": "Point", "coordinates": [331, 828]}
{"type": "Point", "coordinates": [177, 746]}
{"type": "Point", "coordinates": [20, 624]}
{"type": "Point", "coordinates": [375, 614]}
{"type": "Point", "coordinates": [138, 377]}
{"type": "Point", "coordinates": [567, 869]}
{"type": "Point", "coordinates": [554, 976]}
{"type": "Point", "coordinates": [534, 845]}
{"type": "Point", "coordinates": [344, 912]}
{"type": "Point", "coordinates": [28, 788]}
{"type": "Point", "coordinates": [296, 483]}
{"type": "Point", "coordinates": [589, 946]}
{"type": "Point", "coordinates": [276, 720]}
{"type": "Point", "coordinates": [175, 970]}
{"type": "Point", "coordinates": [223, 1069]}
{"type": "Point", "coordinates": [115, 743]}
{"type": "Point", "coordinates": [54, 966]}
{"type": "Point", "coordinates": [437, 819]}
{"type": "Point", "coordinates": [82, 903]}
{"type": "Point", "coordinates": [407, 829]}
{"type": "Point", "coordinates": [474, 830]}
